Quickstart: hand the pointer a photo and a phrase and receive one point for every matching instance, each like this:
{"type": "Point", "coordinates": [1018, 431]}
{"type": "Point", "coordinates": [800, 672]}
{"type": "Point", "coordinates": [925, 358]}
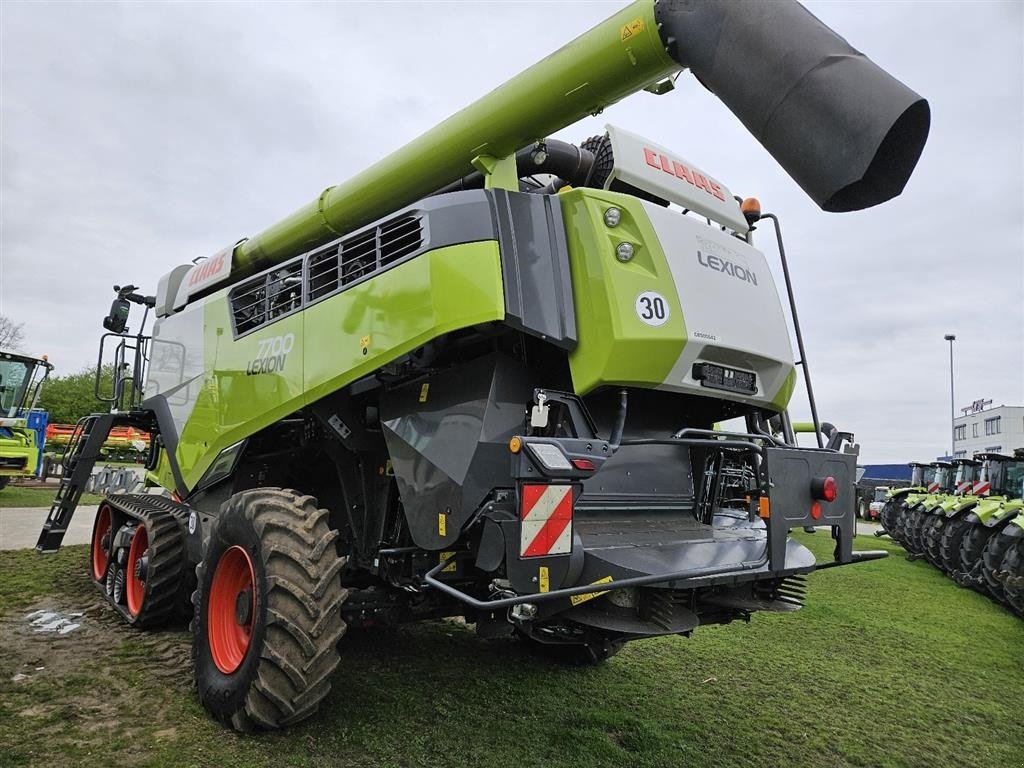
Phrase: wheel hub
{"type": "Point", "coordinates": [243, 607]}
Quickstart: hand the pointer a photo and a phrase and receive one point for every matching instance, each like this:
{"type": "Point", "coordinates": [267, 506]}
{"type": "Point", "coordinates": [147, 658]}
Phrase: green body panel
{"type": "Point", "coordinates": [614, 347]}
{"type": "Point", "coordinates": [602, 66]}
{"type": "Point", "coordinates": [785, 393]}
{"type": "Point", "coordinates": [21, 445]}
{"type": "Point", "coordinates": [335, 342]}
{"type": "Point", "coordinates": [994, 509]}
{"type": "Point", "coordinates": [954, 505]}
{"type": "Point", "coordinates": [896, 493]}
{"type": "Point", "coordinates": [1018, 521]}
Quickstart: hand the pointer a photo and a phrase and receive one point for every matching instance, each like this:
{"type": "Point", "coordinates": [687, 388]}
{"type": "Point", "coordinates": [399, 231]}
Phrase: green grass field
{"type": "Point", "coordinates": [14, 496]}
{"type": "Point", "coordinates": [890, 664]}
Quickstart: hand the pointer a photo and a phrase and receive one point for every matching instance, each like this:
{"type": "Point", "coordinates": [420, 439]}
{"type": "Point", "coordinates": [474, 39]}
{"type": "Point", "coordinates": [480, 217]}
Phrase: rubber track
{"type": "Point", "coordinates": [952, 538]}
{"type": "Point", "coordinates": [304, 598]}
{"type": "Point", "coordinates": [165, 571]}
{"type": "Point", "coordinates": [164, 598]}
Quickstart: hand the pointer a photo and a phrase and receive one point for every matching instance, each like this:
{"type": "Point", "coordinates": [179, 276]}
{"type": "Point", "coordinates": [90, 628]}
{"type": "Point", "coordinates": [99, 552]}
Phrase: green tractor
{"type": "Point", "coordinates": [911, 515]}
{"type": "Point", "coordinates": [944, 513]}
{"type": "Point", "coordinates": [447, 388]}
{"type": "Point", "coordinates": [921, 477]}
{"type": "Point", "coordinates": [22, 426]}
{"type": "Point", "coordinates": [1009, 574]}
{"type": "Point", "coordinates": [982, 548]}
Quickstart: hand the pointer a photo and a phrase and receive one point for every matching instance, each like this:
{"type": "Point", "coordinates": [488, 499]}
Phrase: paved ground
{"type": "Point", "coordinates": [19, 526]}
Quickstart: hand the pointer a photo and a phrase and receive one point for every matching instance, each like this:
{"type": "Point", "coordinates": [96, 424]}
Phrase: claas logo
{"type": "Point", "coordinates": [208, 268]}
{"type": "Point", "coordinates": [680, 171]}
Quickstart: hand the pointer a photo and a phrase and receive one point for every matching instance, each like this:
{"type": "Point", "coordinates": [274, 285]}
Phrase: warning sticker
{"type": "Point", "coordinates": [631, 30]}
{"type": "Point", "coordinates": [424, 392]}
{"type": "Point", "coordinates": [577, 599]}
{"type": "Point", "coordinates": [544, 578]}
{"type": "Point", "coordinates": [452, 567]}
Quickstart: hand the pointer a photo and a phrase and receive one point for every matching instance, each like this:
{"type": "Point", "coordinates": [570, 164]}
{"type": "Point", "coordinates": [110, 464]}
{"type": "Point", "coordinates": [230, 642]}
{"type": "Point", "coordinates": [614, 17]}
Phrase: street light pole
{"type": "Point", "coordinates": [951, 337]}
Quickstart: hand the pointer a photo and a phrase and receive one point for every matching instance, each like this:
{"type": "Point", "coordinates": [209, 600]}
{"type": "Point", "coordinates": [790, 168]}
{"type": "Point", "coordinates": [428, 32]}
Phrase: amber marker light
{"type": "Point", "coordinates": [751, 209]}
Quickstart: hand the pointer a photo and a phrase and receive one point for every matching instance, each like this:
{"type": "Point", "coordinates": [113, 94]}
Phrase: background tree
{"type": "Point", "coordinates": [11, 334]}
{"type": "Point", "coordinates": [69, 398]}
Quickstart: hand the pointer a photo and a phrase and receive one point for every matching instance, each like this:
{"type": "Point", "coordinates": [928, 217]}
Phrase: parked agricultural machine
{"type": "Point", "coordinates": [922, 478]}
{"type": "Point", "coordinates": [971, 528]}
{"type": "Point", "coordinates": [911, 513]}
{"type": "Point", "coordinates": [22, 425]}
{"type": "Point", "coordinates": [122, 444]}
{"type": "Point", "coordinates": [447, 388]}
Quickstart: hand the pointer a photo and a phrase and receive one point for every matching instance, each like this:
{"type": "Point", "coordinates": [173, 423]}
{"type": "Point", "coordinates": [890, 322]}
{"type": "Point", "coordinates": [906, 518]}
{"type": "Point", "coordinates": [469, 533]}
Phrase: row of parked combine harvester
{"type": "Point", "coordinates": [966, 517]}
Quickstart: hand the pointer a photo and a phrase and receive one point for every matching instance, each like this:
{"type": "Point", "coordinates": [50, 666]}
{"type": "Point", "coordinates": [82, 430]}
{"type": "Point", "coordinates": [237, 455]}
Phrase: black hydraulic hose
{"type": "Point", "coordinates": [560, 158]}
{"type": "Point", "coordinates": [620, 421]}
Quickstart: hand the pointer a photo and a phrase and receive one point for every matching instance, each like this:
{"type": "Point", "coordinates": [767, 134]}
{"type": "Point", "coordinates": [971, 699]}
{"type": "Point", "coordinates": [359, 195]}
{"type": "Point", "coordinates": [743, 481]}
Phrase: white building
{"type": "Point", "coordinates": [983, 428]}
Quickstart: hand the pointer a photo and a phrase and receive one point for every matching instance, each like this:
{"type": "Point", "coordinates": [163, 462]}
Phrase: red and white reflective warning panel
{"type": "Point", "coordinates": [546, 520]}
{"type": "Point", "coordinates": [982, 488]}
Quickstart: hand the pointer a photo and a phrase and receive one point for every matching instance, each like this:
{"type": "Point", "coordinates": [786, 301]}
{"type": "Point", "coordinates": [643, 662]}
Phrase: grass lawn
{"type": "Point", "coordinates": [13, 496]}
{"type": "Point", "coordinates": [890, 664]}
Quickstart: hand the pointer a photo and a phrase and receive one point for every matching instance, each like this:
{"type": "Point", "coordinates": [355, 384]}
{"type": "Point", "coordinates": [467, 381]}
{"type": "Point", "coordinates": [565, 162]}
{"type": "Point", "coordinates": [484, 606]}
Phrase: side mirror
{"type": "Point", "coordinates": [117, 320]}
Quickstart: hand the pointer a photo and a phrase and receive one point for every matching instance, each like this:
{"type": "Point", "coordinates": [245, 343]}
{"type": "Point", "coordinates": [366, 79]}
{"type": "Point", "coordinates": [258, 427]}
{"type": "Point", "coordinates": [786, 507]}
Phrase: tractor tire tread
{"type": "Point", "coordinates": [303, 622]}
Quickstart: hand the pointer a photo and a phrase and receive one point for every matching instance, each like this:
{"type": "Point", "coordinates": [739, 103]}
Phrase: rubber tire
{"type": "Point", "coordinates": [932, 537]}
{"type": "Point", "coordinates": [888, 516]}
{"type": "Point", "coordinates": [571, 654]}
{"type": "Point", "coordinates": [898, 531]}
{"type": "Point", "coordinates": [162, 597]}
{"type": "Point", "coordinates": [952, 538]}
{"type": "Point", "coordinates": [912, 531]}
{"type": "Point", "coordinates": [292, 653]}
{"type": "Point", "coordinates": [972, 550]}
{"type": "Point", "coordinates": [1013, 568]}
{"type": "Point", "coordinates": [992, 561]}
{"type": "Point", "coordinates": [4, 481]}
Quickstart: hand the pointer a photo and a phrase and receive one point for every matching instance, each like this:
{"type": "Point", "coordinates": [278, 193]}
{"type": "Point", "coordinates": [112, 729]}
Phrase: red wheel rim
{"type": "Point", "coordinates": [100, 556]}
{"type": "Point", "coordinates": [229, 616]}
{"type": "Point", "coordinates": [136, 586]}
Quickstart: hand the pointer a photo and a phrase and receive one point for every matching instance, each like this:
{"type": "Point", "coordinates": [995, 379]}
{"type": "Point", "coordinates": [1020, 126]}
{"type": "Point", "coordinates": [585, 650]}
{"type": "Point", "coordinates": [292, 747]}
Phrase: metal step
{"type": "Point", "coordinates": [80, 456]}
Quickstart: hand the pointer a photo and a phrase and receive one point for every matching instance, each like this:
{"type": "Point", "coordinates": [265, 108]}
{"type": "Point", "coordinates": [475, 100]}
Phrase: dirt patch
{"type": "Point", "coordinates": [73, 692]}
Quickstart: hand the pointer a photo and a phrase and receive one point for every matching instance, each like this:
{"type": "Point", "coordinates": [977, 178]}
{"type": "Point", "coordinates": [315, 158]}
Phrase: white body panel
{"type": "Point", "coordinates": [652, 168]}
{"type": "Point", "coordinates": [731, 307]}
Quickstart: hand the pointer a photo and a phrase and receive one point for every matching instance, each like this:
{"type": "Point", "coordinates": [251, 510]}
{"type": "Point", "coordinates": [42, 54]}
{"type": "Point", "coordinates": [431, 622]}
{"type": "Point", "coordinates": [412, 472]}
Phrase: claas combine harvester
{"type": "Point", "coordinates": [447, 387]}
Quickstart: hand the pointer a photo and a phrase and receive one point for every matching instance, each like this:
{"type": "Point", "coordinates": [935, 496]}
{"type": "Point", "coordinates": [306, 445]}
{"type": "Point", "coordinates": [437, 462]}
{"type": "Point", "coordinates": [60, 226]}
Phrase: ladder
{"type": "Point", "coordinates": [80, 455]}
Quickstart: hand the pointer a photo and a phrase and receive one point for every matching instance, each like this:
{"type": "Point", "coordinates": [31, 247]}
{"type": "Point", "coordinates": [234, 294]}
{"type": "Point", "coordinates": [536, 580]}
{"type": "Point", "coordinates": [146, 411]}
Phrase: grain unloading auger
{"type": "Point", "coordinates": [497, 396]}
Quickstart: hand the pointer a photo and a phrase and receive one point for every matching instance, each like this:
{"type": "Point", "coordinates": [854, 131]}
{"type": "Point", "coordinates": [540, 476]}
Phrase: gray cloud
{"type": "Point", "coordinates": [139, 135]}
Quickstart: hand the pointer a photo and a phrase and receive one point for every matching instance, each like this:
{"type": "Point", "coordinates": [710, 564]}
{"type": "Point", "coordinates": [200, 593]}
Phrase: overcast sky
{"type": "Point", "coordinates": [138, 136]}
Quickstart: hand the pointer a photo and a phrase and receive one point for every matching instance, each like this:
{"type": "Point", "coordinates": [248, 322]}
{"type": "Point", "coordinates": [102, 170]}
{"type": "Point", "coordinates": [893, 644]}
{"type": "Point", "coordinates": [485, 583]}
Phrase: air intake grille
{"type": "Point", "coordinates": [268, 297]}
{"type": "Point", "coordinates": [357, 258]}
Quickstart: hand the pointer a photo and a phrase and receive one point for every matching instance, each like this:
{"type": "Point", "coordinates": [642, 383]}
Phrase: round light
{"type": "Point", "coordinates": [624, 252]}
{"type": "Point", "coordinates": [515, 445]}
{"type": "Point", "coordinates": [612, 217]}
{"type": "Point", "coordinates": [829, 489]}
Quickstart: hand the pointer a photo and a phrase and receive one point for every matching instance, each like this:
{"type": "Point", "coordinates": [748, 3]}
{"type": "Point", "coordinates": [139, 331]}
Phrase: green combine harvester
{"type": "Point", "coordinates": [480, 378]}
{"type": "Point", "coordinates": [22, 425]}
